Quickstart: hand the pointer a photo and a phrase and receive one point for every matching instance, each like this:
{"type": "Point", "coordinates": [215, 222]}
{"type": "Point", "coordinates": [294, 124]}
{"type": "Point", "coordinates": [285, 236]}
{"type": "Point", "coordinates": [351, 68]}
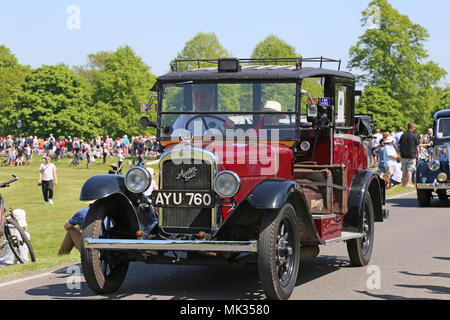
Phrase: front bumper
{"type": "Point", "coordinates": [433, 186]}
{"type": "Point", "coordinates": [171, 245]}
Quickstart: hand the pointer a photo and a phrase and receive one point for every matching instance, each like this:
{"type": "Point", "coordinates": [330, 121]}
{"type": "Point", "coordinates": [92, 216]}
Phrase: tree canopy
{"type": "Point", "coordinates": [201, 46]}
{"type": "Point", "coordinates": [392, 57]}
{"type": "Point", "coordinates": [52, 99]}
{"type": "Point", "coordinates": [273, 47]}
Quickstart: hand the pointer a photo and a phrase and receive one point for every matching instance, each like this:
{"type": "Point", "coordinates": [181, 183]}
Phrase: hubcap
{"type": "Point", "coordinates": [366, 238]}
{"type": "Point", "coordinates": [284, 253]}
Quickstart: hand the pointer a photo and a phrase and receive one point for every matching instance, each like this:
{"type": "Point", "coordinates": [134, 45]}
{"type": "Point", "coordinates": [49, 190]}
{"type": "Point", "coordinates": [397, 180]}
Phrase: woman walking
{"type": "Point", "coordinates": [47, 175]}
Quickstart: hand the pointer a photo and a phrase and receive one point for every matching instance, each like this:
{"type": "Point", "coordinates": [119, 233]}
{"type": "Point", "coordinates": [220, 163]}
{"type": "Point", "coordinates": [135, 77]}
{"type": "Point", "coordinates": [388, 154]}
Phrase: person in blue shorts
{"type": "Point", "coordinates": [73, 235]}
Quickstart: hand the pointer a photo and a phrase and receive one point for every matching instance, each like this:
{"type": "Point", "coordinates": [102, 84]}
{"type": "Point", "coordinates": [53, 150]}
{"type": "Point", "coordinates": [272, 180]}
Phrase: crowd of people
{"type": "Point", "coordinates": [19, 151]}
{"type": "Point", "coordinates": [396, 154]}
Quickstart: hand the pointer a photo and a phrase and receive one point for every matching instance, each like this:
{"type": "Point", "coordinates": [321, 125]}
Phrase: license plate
{"type": "Point", "coordinates": [188, 199]}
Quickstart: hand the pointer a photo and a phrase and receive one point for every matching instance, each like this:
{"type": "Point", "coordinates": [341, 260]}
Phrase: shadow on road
{"type": "Point", "coordinates": [411, 202]}
{"type": "Point", "coordinates": [181, 282]}
{"type": "Point", "coordinates": [311, 269]}
{"type": "Point", "coordinates": [166, 282]}
{"type": "Point", "coordinates": [388, 296]}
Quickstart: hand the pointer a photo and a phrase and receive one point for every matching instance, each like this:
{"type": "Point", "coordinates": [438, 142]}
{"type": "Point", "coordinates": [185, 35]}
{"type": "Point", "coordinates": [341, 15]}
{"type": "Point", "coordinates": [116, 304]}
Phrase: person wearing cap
{"type": "Point", "coordinates": [389, 158]}
{"type": "Point", "coordinates": [73, 229]}
{"type": "Point", "coordinates": [203, 101]}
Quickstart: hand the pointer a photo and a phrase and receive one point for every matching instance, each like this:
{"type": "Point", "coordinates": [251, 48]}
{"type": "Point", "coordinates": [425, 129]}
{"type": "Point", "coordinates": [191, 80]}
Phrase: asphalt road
{"type": "Point", "coordinates": [410, 260]}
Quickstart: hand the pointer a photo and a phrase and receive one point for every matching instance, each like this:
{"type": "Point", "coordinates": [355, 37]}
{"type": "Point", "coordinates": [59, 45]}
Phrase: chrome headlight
{"type": "Point", "coordinates": [137, 179]}
{"type": "Point", "coordinates": [227, 184]}
{"type": "Point", "coordinates": [434, 165]}
{"type": "Point", "coordinates": [442, 177]}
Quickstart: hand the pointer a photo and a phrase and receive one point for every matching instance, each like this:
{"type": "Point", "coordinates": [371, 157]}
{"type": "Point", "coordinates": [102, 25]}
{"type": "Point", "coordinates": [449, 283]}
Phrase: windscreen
{"type": "Point", "coordinates": [443, 128]}
{"type": "Point", "coordinates": [229, 109]}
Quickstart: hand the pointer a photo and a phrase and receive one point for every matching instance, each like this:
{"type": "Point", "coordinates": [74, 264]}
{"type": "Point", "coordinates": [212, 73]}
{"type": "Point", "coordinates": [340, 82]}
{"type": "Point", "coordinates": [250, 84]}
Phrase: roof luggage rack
{"type": "Point", "coordinates": [174, 64]}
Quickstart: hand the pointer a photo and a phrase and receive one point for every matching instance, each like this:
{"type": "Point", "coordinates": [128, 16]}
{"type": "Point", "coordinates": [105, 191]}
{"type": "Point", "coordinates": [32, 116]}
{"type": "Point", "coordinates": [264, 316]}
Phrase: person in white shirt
{"type": "Point", "coordinates": [153, 184]}
{"type": "Point", "coordinates": [47, 176]}
{"type": "Point", "coordinates": [397, 136]}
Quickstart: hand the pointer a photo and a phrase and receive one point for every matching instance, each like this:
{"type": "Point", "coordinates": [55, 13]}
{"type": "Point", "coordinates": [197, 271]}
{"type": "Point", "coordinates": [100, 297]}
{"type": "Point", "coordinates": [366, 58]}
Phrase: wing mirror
{"type": "Point", "coordinates": [150, 105]}
{"type": "Point", "coordinates": [311, 111]}
{"type": "Point", "coordinates": [146, 122]}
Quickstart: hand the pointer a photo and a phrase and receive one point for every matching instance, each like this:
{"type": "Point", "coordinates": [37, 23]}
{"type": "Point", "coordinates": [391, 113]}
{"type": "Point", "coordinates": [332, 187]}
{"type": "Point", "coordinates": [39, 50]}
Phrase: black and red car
{"type": "Point", "coordinates": [262, 161]}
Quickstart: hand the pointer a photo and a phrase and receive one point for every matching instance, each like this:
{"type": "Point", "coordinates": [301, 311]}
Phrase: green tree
{"type": "Point", "coordinates": [12, 75]}
{"type": "Point", "coordinates": [385, 110]}
{"type": "Point", "coordinates": [392, 56]}
{"type": "Point", "coordinates": [201, 46]}
{"type": "Point", "coordinates": [120, 83]}
{"type": "Point", "coordinates": [273, 47]}
{"type": "Point", "coordinates": [52, 99]}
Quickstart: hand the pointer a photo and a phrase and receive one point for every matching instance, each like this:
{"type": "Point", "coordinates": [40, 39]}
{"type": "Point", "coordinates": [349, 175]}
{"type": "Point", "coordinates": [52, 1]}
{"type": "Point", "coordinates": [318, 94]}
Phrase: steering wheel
{"type": "Point", "coordinates": [203, 117]}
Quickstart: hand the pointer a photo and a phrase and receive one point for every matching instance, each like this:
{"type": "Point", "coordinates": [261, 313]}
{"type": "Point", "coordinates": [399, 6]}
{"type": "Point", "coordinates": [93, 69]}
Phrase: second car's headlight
{"type": "Point", "coordinates": [434, 165]}
{"type": "Point", "coordinates": [442, 177]}
{"type": "Point", "coordinates": [227, 184]}
{"type": "Point", "coordinates": [137, 179]}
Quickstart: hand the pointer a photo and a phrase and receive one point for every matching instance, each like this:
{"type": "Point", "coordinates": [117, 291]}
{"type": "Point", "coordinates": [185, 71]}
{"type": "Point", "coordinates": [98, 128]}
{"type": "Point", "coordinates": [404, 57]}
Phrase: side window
{"type": "Point", "coordinates": [342, 106]}
{"type": "Point", "coordinates": [316, 88]}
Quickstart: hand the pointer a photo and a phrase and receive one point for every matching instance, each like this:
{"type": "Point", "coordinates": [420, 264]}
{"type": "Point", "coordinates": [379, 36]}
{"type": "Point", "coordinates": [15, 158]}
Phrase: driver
{"type": "Point", "coordinates": [203, 100]}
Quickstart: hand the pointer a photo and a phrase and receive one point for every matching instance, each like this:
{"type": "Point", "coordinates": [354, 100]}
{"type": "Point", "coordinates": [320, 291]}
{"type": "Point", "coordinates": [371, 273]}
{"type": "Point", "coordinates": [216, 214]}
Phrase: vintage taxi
{"type": "Point", "coordinates": [262, 161]}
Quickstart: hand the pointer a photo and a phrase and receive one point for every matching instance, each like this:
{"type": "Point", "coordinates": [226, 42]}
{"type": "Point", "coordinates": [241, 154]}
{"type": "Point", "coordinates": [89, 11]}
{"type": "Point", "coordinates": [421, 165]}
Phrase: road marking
{"type": "Point", "coordinates": [25, 279]}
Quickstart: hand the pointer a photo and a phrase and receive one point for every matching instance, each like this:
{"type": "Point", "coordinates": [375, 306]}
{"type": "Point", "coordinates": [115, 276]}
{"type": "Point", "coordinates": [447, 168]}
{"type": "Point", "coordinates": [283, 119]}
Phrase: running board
{"type": "Point", "coordinates": [345, 236]}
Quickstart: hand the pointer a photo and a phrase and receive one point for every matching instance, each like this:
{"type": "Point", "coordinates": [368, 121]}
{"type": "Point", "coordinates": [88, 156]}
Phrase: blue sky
{"type": "Point", "coordinates": [37, 32]}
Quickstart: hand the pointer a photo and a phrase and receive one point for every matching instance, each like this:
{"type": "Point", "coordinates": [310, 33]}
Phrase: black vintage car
{"type": "Point", "coordinates": [433, 170]}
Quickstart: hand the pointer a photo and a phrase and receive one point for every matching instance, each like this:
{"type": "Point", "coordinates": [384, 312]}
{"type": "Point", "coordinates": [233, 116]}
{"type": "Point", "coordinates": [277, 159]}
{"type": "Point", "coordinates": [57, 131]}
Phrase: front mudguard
{"type": "Point", "coordinates": [103, 185]}
{"type": "Point", "coordinates": [364, 182]}
{"type": "Point", "coordinates": [271, 195]}
{"type": "Point", "coordinates": [109, 191]}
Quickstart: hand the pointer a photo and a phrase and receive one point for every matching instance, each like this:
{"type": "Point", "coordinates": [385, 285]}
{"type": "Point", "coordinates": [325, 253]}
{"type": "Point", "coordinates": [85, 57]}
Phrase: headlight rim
{"type": "Point", "coordinates": [147, 175]}
{"type": "Point", "coordinates": [235, 175]}
{"type": "Point", "coordinates": [434, 165]}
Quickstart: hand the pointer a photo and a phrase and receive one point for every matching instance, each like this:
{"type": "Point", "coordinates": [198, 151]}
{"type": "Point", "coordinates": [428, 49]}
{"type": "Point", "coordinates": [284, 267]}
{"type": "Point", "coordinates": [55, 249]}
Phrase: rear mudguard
{"type": "Point", "coordinates": [271, 195]}
{"type": "Point", "coordinates": [109, 190]}
{"type": "Point", "coordinates": [363, 182]}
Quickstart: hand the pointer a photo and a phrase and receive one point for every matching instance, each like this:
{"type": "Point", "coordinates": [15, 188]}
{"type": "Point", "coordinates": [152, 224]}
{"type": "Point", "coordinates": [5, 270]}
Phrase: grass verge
{"type": "Point", "coordinates": [45, 222]}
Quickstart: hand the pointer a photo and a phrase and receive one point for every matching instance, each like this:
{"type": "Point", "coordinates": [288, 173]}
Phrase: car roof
{"type": "Point", "coordinates": [254, 72]}
{"type": "Point", "coordinates": [442, 113]}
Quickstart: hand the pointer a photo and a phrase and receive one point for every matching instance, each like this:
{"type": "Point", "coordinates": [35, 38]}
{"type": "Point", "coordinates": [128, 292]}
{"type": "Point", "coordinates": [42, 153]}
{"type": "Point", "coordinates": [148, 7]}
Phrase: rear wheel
{"type": "Point", "coordinates": [360, 249]}
{"type": "Point", "coordinates": [17, 240]}
{"type": "Point", "coordinates": [104, 270]}
{"type": "Point", "coordinates": [424, 197]}
{"type": "Point", "coordinates": [279, 252]}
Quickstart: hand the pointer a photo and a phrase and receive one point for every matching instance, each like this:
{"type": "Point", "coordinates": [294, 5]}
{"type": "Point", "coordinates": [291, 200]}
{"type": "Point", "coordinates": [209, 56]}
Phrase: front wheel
{"type": "Point", "coordinates": [279, 252]}
{"type": "Point", "coordinates": [17, 240]}
{"type": "Point", "coordinates": [424, 197]}
{"type": "Point", "coordinates": [105, 270]}
{"type": "Point", "coordinates": [442, 195]}
{"type": "Point", "coordinates": [360, 249]}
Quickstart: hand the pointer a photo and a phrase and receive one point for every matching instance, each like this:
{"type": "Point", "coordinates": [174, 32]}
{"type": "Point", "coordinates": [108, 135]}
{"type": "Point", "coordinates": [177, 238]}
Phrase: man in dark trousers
{"type": "Point", "coordinates": [409, 148]}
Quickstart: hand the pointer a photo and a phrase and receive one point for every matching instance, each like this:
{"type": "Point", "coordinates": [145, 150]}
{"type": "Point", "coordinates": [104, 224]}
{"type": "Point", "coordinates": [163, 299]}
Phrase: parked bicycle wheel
{"type": "Point", "coordinates": [17, 240]}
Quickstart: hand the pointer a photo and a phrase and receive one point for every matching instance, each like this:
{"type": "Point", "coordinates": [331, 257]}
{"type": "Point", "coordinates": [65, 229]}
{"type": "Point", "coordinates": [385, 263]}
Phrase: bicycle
{"type": "Point", "coordinates": [8, 223]}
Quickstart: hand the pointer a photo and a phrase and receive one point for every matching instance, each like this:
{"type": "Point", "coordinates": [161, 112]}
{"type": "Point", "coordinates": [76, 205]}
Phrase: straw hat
{"type": "Point", "coordinates": [272, 106]}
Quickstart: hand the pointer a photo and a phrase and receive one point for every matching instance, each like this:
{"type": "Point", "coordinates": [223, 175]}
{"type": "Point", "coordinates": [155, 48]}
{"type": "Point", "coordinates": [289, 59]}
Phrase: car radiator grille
{"type": "Point", "coordinates": [186, 220]}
